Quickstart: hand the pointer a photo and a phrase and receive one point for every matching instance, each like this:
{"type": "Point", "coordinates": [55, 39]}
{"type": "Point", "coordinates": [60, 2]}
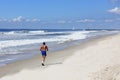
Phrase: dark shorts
{"type": "Point", "coordinates": [43, 53]}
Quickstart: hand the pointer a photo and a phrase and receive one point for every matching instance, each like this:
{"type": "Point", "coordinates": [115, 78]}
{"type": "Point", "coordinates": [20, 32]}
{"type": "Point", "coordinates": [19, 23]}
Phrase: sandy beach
{"type": "Point", "coordinates": [98, 59]}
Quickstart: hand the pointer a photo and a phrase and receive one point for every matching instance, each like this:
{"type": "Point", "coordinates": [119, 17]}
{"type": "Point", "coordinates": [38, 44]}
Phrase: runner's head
{"type": "Point", "coordinates": [43, 43]}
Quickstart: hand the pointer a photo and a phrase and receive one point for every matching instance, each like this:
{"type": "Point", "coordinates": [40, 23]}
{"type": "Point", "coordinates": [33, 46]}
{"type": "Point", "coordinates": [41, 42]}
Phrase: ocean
{"type": "Point", "coordinates": [20, 44]}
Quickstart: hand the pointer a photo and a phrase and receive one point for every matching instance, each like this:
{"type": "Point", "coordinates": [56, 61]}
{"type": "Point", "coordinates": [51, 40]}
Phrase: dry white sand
{"type": "Point", "coordinates": [95, 60]}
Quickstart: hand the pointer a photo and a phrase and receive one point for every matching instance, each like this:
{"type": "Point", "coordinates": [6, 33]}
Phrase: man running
{"type": "Point", "coordinates": [43, 50]}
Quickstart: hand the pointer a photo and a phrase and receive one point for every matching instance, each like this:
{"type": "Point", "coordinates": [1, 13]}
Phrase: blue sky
{"type": "Point", "coordinates": [82, 14]}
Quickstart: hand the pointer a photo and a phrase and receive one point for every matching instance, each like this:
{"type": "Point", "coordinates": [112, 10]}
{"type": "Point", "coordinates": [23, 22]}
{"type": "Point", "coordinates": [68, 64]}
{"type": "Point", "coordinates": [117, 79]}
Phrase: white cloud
{"type": "Point", "coordinates": [86, 20]}
{"type": "Point", "coordinates": [109, 20]}
{"type": "Point", "coordinates": [114, 1]}
{"type": "Point", "coordinates": [115, 10]}
{"type": "Point", "coordinates": [27, 20]}
{"type": "Point", "coordinates": [3, 19]}
{"type": "Point", "coordinates": [18, 19]}
{"type": "Point", "coordinates": [35, 20]}
{"type": "Point", "coordinates": [112, 20]}
{"type": "Point", "coordinates": [62, 21]}
{"type": "Point", "coordinates": [32, 20]}
{"type": "Point", "coordinates": [69, 21]}
{"type": "Point", "coordinates": [118, 19]}
{"type": "Point", "coordinates": [0, 20]}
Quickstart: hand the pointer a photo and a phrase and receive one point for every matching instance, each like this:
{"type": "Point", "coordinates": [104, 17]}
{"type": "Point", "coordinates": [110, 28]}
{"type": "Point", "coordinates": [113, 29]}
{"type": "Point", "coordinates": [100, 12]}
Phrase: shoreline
{"type": "Point", "coordinates": [53, 59]}
{"type": "Point", "coordinates": [28, 52]}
